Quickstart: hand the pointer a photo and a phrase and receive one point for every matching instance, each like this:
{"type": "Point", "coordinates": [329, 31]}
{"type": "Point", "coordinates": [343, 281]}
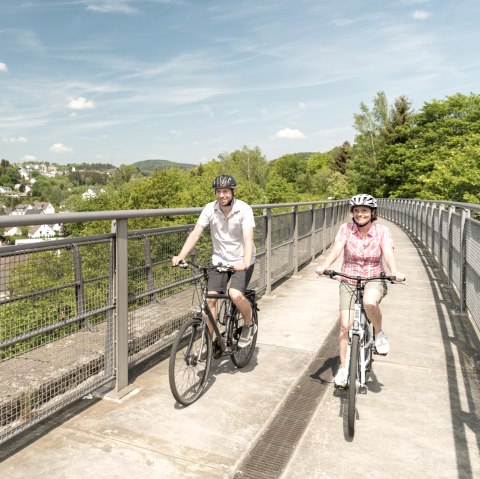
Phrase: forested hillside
{"type": "Point", "coordinates": [433, 153]}
{"type": "Point", "coordinates": [149, 166]}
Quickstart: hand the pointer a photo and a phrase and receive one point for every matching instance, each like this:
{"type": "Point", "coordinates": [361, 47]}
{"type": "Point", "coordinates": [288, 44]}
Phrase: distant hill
{"type": "Point", "coordinates": [149, 166]}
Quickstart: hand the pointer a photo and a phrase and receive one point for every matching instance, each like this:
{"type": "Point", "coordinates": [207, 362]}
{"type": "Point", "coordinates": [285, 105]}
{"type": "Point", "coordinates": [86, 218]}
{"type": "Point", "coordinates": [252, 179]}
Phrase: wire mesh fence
{"type": "Point", "coordinates": [59, 302]}
{"type": "Point", "coordinates": [452, 234]}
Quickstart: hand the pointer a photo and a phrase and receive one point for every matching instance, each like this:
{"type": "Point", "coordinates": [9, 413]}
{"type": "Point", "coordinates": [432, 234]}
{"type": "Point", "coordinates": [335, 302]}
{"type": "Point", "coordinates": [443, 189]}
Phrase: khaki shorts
{"type": "Point", "coordinates": [347, 293]}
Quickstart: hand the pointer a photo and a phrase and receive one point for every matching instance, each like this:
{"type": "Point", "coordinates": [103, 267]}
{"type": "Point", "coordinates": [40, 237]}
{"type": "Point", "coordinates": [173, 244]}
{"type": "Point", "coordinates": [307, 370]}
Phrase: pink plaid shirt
{"type": "Point", "coordinates": [362, 255]}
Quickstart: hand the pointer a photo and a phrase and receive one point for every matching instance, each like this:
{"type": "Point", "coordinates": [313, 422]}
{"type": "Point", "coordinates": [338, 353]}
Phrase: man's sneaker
{"type": "Point", "coordinates": [341, 378]}
{"type": "Point", "coordinates": [381, 343]}
{"type": "Point", "coordinates": [247, 335]}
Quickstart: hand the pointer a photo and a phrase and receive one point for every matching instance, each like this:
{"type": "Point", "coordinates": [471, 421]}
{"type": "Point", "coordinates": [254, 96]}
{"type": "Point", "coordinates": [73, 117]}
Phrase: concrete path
{"type": "Point", "coordinates": [419, 418]}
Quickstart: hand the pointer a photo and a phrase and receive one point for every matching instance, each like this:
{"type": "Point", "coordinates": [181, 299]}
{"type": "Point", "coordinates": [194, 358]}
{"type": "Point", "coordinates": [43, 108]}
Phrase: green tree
{"type": "Point", "coordinates": [279, 190]}
{"type": "Point", "coordinates": [442, 130]}
{"type": "Point", "coordinates": [340, 157]}
{"type": "Point", "coordinates": [246, 164]}
{"type": "Point", "coordinates": [123, 174]}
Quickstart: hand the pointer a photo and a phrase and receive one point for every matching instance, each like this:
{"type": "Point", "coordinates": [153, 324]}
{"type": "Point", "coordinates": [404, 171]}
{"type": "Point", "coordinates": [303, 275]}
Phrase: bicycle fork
{"type": "Point", "coordinates": [359, 328]}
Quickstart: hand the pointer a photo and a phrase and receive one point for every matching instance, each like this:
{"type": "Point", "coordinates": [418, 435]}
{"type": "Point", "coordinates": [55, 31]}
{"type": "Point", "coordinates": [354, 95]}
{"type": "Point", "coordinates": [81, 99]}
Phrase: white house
{"type": "Point", "coordinates": [40, 231]}
{"type": "Point", "coordinates": [91, 193]}
{"type": "Point", "coordinates": [6, 190]}
{"type": "Point", "coordinates": [14, 230]}
{"type": "Point", "coordinates": [21, 209]}
{"type": "Point", "coordinates": [46, 207]}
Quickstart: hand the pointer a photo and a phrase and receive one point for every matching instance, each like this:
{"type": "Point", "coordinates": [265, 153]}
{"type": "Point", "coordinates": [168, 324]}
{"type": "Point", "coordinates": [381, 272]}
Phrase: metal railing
{"type": "Point", "coordinates": [452, 234]}
{"type": "Point", "coordinates": [76, 314]}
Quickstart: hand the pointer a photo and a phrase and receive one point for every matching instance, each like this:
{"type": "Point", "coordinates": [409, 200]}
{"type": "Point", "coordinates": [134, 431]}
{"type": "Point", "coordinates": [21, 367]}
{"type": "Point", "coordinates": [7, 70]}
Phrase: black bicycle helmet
{"type": "Point", "coordinates": [224, 181]}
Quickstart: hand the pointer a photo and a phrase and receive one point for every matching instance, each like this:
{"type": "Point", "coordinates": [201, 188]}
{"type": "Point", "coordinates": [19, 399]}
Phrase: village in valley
{"type": "Point", "coordinates": [18, 197]}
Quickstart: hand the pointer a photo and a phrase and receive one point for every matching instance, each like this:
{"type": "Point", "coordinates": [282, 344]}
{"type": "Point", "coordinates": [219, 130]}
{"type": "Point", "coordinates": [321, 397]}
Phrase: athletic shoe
{"type": "Point", "coordinates": [381, 343]}
{"type": "Point", "coordinates": [341, 378]}
{"type": "Point", "coordinates": [246, 338]}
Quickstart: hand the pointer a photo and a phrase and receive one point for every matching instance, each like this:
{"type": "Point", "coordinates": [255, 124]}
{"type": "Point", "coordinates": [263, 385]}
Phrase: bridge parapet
{"type": "Point", "coordinates": [76, 314]}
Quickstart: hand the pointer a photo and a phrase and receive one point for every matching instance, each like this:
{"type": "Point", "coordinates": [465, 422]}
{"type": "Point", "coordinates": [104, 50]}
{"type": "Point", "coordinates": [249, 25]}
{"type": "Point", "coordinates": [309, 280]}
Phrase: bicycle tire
{"type": "Point", "coordinates": [187, 369]}
{"type": "Point", "coordinates": [242, 356]}
{"type": "Point", "coordinates": [352, 387]}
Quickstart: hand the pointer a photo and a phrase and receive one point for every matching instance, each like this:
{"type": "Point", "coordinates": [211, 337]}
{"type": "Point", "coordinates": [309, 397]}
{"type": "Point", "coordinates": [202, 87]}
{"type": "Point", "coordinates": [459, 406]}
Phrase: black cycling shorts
{"type": "Point", "coordinates": [218, 281]}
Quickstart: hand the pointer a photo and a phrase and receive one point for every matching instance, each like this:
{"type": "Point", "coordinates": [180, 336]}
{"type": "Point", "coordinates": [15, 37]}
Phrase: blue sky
{"type": "Point", "coordinates": [119, 81]}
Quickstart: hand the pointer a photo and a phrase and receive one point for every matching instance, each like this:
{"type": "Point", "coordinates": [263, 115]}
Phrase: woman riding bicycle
{"type": "Point", "coordinates": [364, 245]}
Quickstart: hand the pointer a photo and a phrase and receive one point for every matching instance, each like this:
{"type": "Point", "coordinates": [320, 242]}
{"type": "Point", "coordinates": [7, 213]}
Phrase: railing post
{"type": "Point", "coordinates": [463, 261]}
{"type": "Point", "coordinates": [431, 210]}
{"type": "Point", "coordinates": [295, 240]}
{"type": "Point", "coordinates": [451, 210]}
{"type": "Point", "coordinates": [268, 251]}
{"type": "Point", "coordinates": [120, 228]}
{"type": "Point", "coordinates": [312, 233]}
{"type": "Point", "coordinates": [441, 259]}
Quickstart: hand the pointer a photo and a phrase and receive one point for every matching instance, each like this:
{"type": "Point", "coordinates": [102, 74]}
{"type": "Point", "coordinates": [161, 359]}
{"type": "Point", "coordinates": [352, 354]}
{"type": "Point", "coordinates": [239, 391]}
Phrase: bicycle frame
{"type": "Point", "coordinates": [360, 325]}
{"type": "Point", "coordinates": [194, 347]}
{"type": "Point", "coordinates": [361, 328]}
{"type": "Point", "coordinates": [206, 312]}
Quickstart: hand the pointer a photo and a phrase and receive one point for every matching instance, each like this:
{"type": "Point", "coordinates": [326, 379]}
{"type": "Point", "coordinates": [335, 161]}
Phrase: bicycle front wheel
{"type": "Point", "coordinates": [352, 381]}
{"type": "Point", "coordinates": [190, 360]}
{"type": "Point", "coordinates": [242, 356]}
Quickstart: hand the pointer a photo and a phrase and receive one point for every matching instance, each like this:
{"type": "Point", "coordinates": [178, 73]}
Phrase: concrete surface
{"type": "Point", "coordinates": [419, 417]}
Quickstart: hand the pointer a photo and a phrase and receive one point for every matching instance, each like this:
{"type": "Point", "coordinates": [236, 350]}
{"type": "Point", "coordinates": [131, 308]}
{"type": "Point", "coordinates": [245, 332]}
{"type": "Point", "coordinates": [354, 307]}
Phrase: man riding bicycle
{"type": "Point", "coordinates": [231, 225]}
{"type": "Point", "coordinates": [364, 245]}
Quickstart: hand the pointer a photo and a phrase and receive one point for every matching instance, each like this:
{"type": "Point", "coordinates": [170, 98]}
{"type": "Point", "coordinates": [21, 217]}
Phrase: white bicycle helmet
{"type": "Point", "coordinates": [363, 200]}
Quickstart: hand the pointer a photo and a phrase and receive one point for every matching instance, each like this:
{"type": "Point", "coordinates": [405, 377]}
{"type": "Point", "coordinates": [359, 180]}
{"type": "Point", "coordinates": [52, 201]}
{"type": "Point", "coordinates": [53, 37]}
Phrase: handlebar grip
{"type": "Point", "coordinates": [330, 272]}
{"type": "Point", "coordinates": [182, 264]}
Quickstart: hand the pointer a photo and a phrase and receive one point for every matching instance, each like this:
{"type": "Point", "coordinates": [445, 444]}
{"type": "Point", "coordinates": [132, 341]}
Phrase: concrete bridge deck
{"type": "Point", "coordinates": [280, 416]}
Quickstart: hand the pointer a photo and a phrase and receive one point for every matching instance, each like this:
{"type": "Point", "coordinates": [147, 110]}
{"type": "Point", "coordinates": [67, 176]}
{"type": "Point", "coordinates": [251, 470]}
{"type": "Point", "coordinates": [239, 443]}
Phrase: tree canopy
{"type": "Point", "coordinates": [433, 153]}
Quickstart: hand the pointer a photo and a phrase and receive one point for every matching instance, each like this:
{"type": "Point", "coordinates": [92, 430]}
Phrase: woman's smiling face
{"type": "Point", "coordinates": [362, 215]}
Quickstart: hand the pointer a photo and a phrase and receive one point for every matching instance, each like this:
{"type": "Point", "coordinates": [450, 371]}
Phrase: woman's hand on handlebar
{"type": "Point", "coordinates": [399, 277]}
{"type": "Point", "coordinates": [320, 270]}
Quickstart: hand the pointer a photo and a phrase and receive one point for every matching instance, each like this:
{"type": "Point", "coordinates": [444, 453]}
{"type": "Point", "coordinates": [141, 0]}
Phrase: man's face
{"type": "Point", "coordinates": [224, 196]}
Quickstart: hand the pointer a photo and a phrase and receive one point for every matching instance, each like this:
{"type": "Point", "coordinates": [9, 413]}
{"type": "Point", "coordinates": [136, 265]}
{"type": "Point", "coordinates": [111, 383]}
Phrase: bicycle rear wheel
{"type": "Point", "coordinates": [352, 380]}
{"type": "Point", "coordinates": [242, 356]}
{"type": "Point", "coordinates": [190, 360]}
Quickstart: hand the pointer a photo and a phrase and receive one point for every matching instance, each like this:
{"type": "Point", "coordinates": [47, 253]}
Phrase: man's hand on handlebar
{"type": "Point", "coordinates": [176, 260]}
{"type": "Point", "coordinates": [240, 266]}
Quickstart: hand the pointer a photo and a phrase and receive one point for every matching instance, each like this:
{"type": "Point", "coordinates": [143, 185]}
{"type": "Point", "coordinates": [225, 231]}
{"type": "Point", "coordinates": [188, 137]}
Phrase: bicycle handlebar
{"type": "Point", "coordinates": [222, 268]}
{"type": "Point", "coordinates": [383, 276]}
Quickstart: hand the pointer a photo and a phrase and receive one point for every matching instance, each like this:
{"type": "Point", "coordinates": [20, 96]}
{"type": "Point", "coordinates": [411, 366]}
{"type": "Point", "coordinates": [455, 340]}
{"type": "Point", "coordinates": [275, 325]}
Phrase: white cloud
{"type": "Point", "coordinates": [420, 15]}
{"type": "Point", "coordinates": [29, 158]}
{"type": "Point", "coordinates": [175, 133]}
{"type": "Point", "coordinates": [301, 105]}
{"type": "Point", "coordinates": [3, 67]}
{"type": "Point", "coordinates": [111, 6]}
{"type": "Point", "coordinates": [290, 134]}
{"type": "Point", "coordinates": [60, 148]}
{"type": "Point", "coordinates": [20, 139]}
{"type": "Point", "coordinates": [81, 103]}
